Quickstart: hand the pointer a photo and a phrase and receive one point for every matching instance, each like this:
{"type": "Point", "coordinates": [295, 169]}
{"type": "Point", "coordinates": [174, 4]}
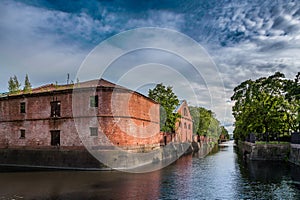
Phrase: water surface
{"type": "Point", "coordinates": [220, 175]}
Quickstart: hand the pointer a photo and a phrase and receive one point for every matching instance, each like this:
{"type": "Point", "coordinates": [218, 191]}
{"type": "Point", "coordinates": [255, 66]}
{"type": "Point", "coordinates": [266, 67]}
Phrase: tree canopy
{"type": "Point", "coordinates": [225, 132]}
{"type": "Point", "coordinates": [263, 106]}
{"type": "Point", "coordinates": [205, 122]}
{"type": "Point", "coordinates": [13, 85]}
{"type": "Point", "coordinates": [168, 102]}
{"type": "Point", "coordinates": [27, 84]}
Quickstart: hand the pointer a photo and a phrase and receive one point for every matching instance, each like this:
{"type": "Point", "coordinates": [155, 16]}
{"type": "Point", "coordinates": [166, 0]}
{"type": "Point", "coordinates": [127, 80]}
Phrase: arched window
{"type": "Point", "coordinates": [184, 125]}
{"type": "Point", "coordinates": [185, 112]}
{"type": "Point", "coordinates": [190, 126]}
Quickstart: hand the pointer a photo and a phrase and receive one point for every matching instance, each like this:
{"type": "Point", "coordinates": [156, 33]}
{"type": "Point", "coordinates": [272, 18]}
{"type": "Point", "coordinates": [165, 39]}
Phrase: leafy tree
{"type": "Point", "coordinates": [293, 96]}
{"type": "Point", "coordinates": [205, 122]}
{"type": "Point", "coordinates": [225, 132]}
{"type": "Point", "coordinates": [13, 85]}
{"type": "Point", "coordinates": [27, 84]}
{"type": "Point", "coordinates": [168, 102]}
{"type": "Point", "coordinates": [201, 118]}
{"type": "Point", "coordinates": [261, 107]}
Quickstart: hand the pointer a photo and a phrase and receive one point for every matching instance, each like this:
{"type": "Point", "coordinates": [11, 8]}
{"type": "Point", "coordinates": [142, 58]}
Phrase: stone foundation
{"type": "Point", "coordinates": [81, 159]}
{"type": "Point", "coordinates": [274, 152]}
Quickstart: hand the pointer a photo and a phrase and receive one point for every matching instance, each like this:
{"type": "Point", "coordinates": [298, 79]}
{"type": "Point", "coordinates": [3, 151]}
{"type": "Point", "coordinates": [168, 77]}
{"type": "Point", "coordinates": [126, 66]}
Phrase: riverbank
{"type": "Point", "coordinates": [190, 177]}
{"type": "Point", "coordinates": [270, 152]}
{"type": "Point", "coordinates": [62, 159]}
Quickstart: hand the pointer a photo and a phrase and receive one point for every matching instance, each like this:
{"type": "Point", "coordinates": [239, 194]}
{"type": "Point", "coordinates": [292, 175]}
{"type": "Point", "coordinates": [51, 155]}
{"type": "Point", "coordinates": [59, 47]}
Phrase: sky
{"type": "Point", "coordinates": [49, 39]}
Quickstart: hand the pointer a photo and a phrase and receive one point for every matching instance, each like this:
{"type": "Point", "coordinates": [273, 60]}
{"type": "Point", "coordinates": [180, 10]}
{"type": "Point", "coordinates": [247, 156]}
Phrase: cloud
{"type": "Point", "coordinates": [47, 43]}
{"type": "Point", "coordinates": [249, 39]}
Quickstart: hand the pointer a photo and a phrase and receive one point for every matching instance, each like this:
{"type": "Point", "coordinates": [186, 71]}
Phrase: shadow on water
{"type": "Point", "coordinates": [268, 179]}
{"type": "Point", "coordinates": [264, 171]}
{"type": "Point", "coordinates": [222, 174]}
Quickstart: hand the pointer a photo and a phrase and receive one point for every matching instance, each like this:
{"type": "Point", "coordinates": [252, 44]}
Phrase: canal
{"type": "Point", "coordinates": [220, 175]}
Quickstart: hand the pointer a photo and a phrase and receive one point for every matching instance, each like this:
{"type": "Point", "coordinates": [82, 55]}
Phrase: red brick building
{"type": "Point", "coordinates": [184, 127]}
{"type": "Point", "coordinates": [93, 113]}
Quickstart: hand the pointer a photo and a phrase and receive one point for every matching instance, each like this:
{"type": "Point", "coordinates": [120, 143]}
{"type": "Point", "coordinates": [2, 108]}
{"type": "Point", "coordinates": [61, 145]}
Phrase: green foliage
{"type": "Point", "coordinates": [13, 85]}
{"type": "Point", "coordinates": [225, 132]}
{"type": "Point", "coordinates": [205, 123]}
{"type": "Point", "coordinates": [27, 84]}
{"type": "Point", "coordinates": [293, 96]}
{"type": "Point", "coordinates": [168, 102]}
{"type": "Point", "coordinates": [262, 106]}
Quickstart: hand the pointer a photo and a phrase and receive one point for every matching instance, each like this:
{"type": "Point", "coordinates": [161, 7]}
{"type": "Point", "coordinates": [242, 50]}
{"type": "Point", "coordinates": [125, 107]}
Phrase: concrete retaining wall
{"type": "Point", "coordinates": [49, 158]}
{"type": "Point", "coordinates": [82, 159]}
{"type": "Point", "coordinates": [253, 151]}
{"type": "Point", "coordinates": [295, 154]}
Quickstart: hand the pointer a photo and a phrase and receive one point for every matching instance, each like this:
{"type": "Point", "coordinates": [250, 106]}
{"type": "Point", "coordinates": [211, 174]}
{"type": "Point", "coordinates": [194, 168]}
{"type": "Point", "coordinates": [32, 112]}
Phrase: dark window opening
{"type": "Point", "coordinates": [22, 134]}
{"type": "Point", "coordinates": [22, 107]}
{"type": "Point", "coordinates": [55, 138]}
{"type": "Point", "coordinates": [189, 126]}
{"type": "Point", "coordinates": [179, 124]}
{"type": "Point", "coordinates": [94, 101]}
{"type": "Point", "coordinates": [185, 112]}
{"type": "Point", "coordinates": [94, 131]}
{"type": "Point", "coordinates": [184, 125]}
{"type": "Point", "coordinates": [55, 109]}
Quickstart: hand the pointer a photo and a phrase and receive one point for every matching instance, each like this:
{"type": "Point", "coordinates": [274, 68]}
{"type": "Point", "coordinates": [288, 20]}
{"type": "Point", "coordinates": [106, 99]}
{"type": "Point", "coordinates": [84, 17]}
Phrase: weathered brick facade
{"type": "Point", "coordinates": [184, 127]}
{"type": "Point", "coordinates": [93, 113]}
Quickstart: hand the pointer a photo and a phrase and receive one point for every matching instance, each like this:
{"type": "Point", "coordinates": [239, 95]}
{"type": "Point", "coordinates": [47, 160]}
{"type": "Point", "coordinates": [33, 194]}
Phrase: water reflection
{"type": "Point", "coordinates": [221, 175]}
{"type": "Point", "coordinates": [268, 180]}
{"type": "Point", "coordinates": [79, 185]}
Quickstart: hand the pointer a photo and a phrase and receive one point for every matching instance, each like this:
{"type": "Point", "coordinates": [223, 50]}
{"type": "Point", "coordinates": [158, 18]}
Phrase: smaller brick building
{"type": "Point", "coordinates": [184, 127]}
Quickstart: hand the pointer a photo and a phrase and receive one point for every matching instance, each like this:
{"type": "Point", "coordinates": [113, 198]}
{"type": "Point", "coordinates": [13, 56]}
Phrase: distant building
{"type": "Point", "coordinates": [105, 114]}
{"type": "Point", "coordinates": [184, 127]}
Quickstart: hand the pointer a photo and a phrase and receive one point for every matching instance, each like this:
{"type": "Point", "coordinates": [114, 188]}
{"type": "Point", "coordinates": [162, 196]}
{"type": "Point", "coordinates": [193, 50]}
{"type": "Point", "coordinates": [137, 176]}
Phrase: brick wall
{"type": "Point", "coordinates": [184, 127]}
{"type": "Point", "coordinates": [123, 118]}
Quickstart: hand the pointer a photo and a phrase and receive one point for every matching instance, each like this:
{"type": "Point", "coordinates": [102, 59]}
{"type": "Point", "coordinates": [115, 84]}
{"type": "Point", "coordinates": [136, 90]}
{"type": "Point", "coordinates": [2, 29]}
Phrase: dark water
{"type": "Point", "coordinates": [221, 175]}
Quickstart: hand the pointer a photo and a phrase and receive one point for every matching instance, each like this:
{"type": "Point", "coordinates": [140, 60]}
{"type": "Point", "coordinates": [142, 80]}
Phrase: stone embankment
{"type": "Point", "coordinates": [275, 152]}
{"type": "Point", "coordinates": [83, 160]}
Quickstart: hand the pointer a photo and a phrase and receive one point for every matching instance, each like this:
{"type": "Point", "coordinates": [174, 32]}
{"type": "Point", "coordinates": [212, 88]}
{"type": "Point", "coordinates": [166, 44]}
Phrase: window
{"type": "Point", "coordinates": [94, 101]}
{"type": "Point", "coordinates": [179, 124]}
{"type": "Point", "coordinates": [185, 112]}
{"type": "Point", "coordinates": [55, 138]}
{"type": "Point", "coordinates": [22, 107]}
{"type": "Point", "coordinates": [184, 125]}
{"type": "Point", "coordinates": [22, 134]}
{"type": "Point", "coordinates": [55, 109]}
{"type": "Point", "coordinates": [189, 126]}
{"type": "Point", "coordinates": [94, 131]}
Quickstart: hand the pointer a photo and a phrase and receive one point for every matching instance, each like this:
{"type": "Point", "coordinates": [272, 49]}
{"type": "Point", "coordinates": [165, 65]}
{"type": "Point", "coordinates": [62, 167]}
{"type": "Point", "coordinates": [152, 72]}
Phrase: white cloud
{"type": "Point", "coordinates": [47, 44]}
{"type": "Point", "coordinates": [245, 39]}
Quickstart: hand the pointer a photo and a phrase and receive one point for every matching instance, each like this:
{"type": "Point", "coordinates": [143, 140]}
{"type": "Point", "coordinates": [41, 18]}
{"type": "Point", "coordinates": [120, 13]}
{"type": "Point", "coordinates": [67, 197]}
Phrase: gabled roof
{"type": "Point", "coordinates": [179, 105]}
{"type": "Point", "coordinates": [96, 83]}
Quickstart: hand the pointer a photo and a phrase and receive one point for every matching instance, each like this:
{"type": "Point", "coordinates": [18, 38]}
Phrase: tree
{"type": "Point", "coordinates": [168, 102]}
{"type": "Point", "coordinates": [293, 96]}
{"type": "Point", "coordinates": [27, 84]}
{"type": "Point", "coordinates": [201, 118]}
{"type": "Point", "coordinates": [13, 85]}
{"type": "Point", "coordinates": [225, 133]}
{"type": "Point", "coordinates": [261, 107]}
{"type": "Point", "coordinates": [205, 122]}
